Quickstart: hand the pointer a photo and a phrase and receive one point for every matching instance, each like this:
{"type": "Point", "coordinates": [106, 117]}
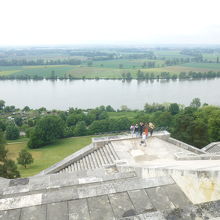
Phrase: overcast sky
{"type": "Point", "coordinates": [39, 22]}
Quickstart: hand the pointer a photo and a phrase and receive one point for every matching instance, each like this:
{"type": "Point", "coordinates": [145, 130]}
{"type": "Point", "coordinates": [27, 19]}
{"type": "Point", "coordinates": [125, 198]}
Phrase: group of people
{"type": "Point", "coordinates": [142, 130]}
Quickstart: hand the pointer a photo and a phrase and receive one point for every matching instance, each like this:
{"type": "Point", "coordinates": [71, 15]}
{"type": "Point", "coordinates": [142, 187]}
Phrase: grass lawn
{"type": "Point", "coordinates": [48, 155]}
{"type": "Point", "coordinates": [129, 115]}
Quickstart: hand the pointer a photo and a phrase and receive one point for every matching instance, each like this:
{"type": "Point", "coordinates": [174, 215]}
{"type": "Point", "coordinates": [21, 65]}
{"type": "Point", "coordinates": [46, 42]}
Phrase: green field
{"type": "Point", "coordinates": [106, 71]}
{"type": "Point", "coordinates": [208, 66]}
{"type": "Point", "coordinates": [116, 115]}
{"type": "Point", "coordinates": [127, 63]}
{"type": "Point", "coordinates": [48, 155]}
{"type": "Point", "coordinates": [113, 68]}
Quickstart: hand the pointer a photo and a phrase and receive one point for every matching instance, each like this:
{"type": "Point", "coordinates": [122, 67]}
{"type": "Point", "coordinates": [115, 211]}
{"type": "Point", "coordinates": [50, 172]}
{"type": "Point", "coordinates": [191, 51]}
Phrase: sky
{"type": "Point", "coordinates": [55, 22]}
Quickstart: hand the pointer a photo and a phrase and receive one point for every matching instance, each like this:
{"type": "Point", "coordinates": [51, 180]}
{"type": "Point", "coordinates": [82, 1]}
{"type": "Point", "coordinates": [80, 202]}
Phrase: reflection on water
{"type": "Point", "coordinates": [62, 94]}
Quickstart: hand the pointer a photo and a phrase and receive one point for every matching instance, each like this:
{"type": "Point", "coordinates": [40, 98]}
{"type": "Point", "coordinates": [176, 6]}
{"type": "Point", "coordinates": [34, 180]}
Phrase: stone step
{"type": "Point", "coordinates": [113, 151]}
{"type": "Point", "coordinates": [75, 167]}
{"type": "Point", "coordinates": [100, 157]}
{"type": "Point", "coordinates": [97, 158]}
{"type": "Point", "coordinates": [107, 155]}
{"type": "Point", "coordinates": [103, 156]}
{"type": "Point", "coordinates": [88, 162]}
{"type": "Point", "coordinates": [81, 165]}
{"type": "Point", "coordinates": [84, 163]}
{"type": "Point", "coordinates": [91, 161]}
{"type": "Point", "coordinates": [110, 153]}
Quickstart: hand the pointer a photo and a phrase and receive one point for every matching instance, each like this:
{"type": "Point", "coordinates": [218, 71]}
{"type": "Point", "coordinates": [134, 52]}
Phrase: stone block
{"type": "Point", "coordinates": [17, 182]}
{"type": "Point", "coordinates": [141, 201]}
{"type": "Point", "coordinates": [57, 211]}
{"type": "Point", "coordinates": [100, 208]}
{"type": "Point", "coordinates": [39, 183]}
{"type": "Point", "coordinates": [78, 210]}
{"type": "Point", "coordinates": [176, 196]}
{"type": "Point", "coordinates": [159, 198]}
{"type": "Point", "coordinates": [59, 195]}
{"type": "Point", "coordinates": [122, 205]}
{"type": "Point", "coordinates": [34, 213]}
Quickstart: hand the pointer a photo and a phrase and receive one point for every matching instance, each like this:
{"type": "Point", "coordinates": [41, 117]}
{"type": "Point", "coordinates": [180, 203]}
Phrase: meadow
{"type": "Point", "coordinates": [46, 156]}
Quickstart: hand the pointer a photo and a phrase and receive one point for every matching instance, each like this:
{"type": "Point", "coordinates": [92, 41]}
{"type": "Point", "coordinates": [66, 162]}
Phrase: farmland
{"type": "Point", "coordinates": [112, 63]}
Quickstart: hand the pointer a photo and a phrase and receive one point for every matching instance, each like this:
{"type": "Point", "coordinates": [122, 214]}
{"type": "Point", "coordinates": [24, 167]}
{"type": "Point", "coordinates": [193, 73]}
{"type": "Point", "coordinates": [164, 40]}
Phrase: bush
{"type": "Point", "coordinates": [46, 131]}
{"type": "Point", "coordinates": [12, 132]}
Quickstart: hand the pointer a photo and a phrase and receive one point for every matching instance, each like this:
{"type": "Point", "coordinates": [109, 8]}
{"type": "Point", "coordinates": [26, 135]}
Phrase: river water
{"type": "Point", "coordinates": [62, 94]}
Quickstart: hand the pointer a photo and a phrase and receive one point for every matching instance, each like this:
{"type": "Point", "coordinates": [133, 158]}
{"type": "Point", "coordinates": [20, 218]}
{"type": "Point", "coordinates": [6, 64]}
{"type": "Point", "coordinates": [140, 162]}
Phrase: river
{"type": "Point", "coordinates": [62, 94]}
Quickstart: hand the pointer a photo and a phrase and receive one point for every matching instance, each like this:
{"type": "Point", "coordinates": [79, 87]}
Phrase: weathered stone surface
{"type": "Point", "coordinates": [39, 183]}
{"type": "Point", "coordinates": [3, 215]}
{"type": "Point", "coordinates": [210, 209]}
{"type": "Point", "coordinates": [21, 181]}
{"type": "Point", "coordinates": [187, 213]}
{"type": "Point", "coordinates": [139, 183]}
{"type": "Point", "coordinates": [147, 216]}
{"type": "Point", "coordinates": [34, 213]}
{"type": "Point", "coordinates": [57, 181]}
{"type": "Point", "coordinates": [140, 201]}
{"type": "Point", "coordinates": [10, 214]}
{"type": "Point", "coordinates": [16, 189]}
{"type": "Point", "coordinates": [59, 195]}
{"type": "Point", "coordinates": [78, 210]}
{"type": "Point", "coordinates": [176, 196]}
{"type": "Point", "coordinates": [57, 211]}
{"type": "Point", "coordinates": [100, 208]}
{"type": "Point", "coordinates": [159, 198]}
{"type": "Point", "coordinates": [20, 201]}
{"type": "Point", "coordinates": [154, 216]}
{"type": "Point", "coordinates": [122, 205]}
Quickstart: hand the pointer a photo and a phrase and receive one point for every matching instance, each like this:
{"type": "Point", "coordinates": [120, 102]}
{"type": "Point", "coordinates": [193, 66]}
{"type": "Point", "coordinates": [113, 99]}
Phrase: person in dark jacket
{"type": "Point", "coordinates": [141, 128]}
{"type": "Point", "coordinates": [136, 128]}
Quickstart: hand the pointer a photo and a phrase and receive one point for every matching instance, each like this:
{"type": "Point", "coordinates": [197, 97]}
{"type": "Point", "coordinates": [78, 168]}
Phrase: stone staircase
{"type": "Point", "coordinates": [100, 157]}
{"type": "Point", "coordinates": [213, 147]}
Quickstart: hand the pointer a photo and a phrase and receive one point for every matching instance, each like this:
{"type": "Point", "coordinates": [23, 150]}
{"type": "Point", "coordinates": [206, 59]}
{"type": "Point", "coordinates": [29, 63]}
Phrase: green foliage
{"type": "Point", "coordinates": [80, 129]}
{"type": "Point", "coordinates": [214, 125]}
{"type": "Point", "coordinates": [8, 168]}
{"type": "Point", "coordinates": [196, 103]}
{"type": "Point", "coordinates": [153, 108]}
{"type": "Point", "coordinates": [25, 158]}
{"type": "Point", "coordinates": [174, 108]}
{"type": "Point", "coordinates": [109, 108]}
{"type": "Point", "coordinates": [12, 131]}
{"type": "Point", "coordinates": [26, 109]}
{"type": "Point", "coordinates": [18, 121]}
{"type": "Point", "coordinates": [3, 151]}
{"type": "Point", "coordinates": [2, 125]}
{"type": "Point", "coordinates": [2, 104]}
{"type": "Point", "coordinates": [73, 118]}
{"type": "Point", "coordinates": [46, 131]}
{"type": "Point", "coordinates": [142, 117]}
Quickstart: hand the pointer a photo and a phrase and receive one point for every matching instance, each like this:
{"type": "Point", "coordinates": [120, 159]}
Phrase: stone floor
{"type": "Point", "coordinates": [156, 150]}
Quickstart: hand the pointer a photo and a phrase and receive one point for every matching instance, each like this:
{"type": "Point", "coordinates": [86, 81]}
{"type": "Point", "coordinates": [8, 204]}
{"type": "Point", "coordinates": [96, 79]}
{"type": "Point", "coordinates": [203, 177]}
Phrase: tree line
{"type": "Point", "coordinates": [36, 62]}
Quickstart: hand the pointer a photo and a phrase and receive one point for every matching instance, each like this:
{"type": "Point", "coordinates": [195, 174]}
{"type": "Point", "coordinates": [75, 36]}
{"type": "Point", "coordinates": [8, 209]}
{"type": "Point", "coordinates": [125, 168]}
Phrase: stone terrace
{"type": "Point", "coordinates": [117, 178]}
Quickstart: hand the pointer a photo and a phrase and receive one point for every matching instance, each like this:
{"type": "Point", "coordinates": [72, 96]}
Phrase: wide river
{"type": "Point", "coordinates": [62, 94]}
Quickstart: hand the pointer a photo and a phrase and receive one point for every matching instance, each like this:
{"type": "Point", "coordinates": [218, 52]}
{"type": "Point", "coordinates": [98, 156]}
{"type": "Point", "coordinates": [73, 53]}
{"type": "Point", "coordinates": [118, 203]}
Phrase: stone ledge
{"type": "Point", "coordinates": [185, 146]}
